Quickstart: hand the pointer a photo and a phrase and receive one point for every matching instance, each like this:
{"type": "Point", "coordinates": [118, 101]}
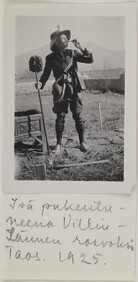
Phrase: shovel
{"type": "Point", "coordinates": [36, 65]}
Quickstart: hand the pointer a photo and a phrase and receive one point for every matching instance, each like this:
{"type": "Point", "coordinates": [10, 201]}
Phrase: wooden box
{"type": "Point", "coordinates": [27, 124]}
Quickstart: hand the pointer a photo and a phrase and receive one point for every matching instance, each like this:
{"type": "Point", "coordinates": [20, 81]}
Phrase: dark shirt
{"type": "Point", "coordinates": [58, 62]}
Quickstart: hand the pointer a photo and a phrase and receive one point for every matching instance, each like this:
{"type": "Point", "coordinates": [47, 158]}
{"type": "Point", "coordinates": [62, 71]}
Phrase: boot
{"type": "Point", "coordinates": [80, 129]}
{"type": "Point", "coordinates": [59, 132]}
{"type": "Point", "coordinates": [57, 150]}
{"type": "Point", "coordinates": [84, 147]}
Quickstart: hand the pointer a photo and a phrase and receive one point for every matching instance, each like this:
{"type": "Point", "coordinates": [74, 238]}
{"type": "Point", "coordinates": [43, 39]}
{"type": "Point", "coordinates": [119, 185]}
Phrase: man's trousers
{"type": "Point", "coordinates": [61, 109]}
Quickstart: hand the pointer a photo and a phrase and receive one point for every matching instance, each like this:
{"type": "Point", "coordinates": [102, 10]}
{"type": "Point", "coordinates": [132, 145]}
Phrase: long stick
{"type": "Point", "coordinates": [81, 164]}
{"type": "Point", "coordinates": [42, 116]}
{"type": "Point", "coordinates": [100, 116]}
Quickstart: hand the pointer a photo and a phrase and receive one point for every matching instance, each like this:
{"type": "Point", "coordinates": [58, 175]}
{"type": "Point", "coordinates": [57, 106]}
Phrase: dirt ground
{"type": "Point", "coordinates": [106, 144]}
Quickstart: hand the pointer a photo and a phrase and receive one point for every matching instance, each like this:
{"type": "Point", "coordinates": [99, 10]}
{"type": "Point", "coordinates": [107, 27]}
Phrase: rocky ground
{"type": "Point", "coordinates": [106, 144]}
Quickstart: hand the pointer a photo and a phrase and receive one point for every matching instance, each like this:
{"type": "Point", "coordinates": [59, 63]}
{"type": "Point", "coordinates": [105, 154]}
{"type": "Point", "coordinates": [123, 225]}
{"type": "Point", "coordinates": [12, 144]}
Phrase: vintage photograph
{"type": "Point", "coordinates": [69, 98]}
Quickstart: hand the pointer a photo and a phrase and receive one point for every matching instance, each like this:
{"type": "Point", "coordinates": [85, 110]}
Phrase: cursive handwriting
{"type": "Point", "coordinates": [118, 243]}
{"type": "Point", "coordinates": [21, 237]}
{"type": "Point", "coordinates": [69, 257]}
{"type": "Point", "coordinates": [95, 206]}
{"type": "Point", "coordinates": [93, 259]}
{"type": "Point", "coordinates": [79, 222]}
{"type": "Point", "coordinates": [68, 232]}
{"type": "Point", "coordinates": [29, 223]}
{"type": "Point", "coordinates": [22, 205]}
{"type": "Point", "coordinates": [27, 256]}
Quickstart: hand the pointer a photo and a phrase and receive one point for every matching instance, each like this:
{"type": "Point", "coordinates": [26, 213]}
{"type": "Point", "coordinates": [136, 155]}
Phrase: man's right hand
{"type": "Point", "coordinates": [38, 85]}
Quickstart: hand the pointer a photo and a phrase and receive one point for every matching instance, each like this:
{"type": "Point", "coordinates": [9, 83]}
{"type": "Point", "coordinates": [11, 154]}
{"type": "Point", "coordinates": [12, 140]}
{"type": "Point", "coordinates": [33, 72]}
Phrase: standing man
{"type": "Point", "coordinates": [67, 86]}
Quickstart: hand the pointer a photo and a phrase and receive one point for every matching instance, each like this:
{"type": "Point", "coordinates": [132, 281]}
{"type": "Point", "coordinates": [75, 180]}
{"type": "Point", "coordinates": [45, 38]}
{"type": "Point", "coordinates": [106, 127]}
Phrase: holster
{"type": "Point", "coordinates": [62, 91]}
{"type": "Point", "coordinates": [57, 92]}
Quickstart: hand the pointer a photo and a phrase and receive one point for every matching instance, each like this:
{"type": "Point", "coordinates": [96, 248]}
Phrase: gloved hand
{"type": "Point", "coordinates": [38, 85]}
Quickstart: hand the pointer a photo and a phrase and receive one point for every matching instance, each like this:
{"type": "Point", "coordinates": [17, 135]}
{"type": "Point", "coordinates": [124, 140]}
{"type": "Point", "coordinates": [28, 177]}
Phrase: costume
{"type": "Point", "coordinates": [57, 62]}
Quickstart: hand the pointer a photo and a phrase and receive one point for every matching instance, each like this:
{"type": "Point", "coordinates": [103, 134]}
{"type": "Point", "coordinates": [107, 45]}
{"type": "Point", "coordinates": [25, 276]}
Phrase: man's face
{"type": "Point", "coordinates": [62, 41]}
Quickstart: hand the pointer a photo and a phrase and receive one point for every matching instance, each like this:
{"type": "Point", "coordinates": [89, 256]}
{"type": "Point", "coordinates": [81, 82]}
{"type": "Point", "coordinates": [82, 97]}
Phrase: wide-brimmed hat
{"type": "Point", "coordinates": [56, 34]}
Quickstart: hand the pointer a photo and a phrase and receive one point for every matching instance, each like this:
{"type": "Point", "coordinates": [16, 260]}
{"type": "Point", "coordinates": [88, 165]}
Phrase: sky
{"type": "Point", "coordinates": [33, 32]}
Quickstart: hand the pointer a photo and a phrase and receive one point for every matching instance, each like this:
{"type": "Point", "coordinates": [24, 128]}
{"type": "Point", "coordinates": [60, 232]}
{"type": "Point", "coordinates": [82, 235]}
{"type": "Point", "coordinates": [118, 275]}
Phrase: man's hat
{"type": "Point", "coordinates": [56, 34]}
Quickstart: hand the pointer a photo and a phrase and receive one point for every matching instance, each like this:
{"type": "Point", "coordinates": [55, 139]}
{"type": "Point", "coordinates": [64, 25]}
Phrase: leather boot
{"type": "Point", "coordinates": [59, 126]}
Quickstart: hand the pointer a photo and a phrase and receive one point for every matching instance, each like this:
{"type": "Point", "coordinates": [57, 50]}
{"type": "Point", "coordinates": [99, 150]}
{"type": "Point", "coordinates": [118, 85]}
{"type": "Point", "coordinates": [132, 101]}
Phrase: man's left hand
{"type": "Point", "coordinates": [77, 44]}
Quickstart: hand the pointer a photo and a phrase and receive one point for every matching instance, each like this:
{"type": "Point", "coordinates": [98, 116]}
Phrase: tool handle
{"type": "Point", "coordinates": [41, 107]}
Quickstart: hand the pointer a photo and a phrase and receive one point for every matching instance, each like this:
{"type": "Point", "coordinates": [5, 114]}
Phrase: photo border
{"type": "Point", "coordinates": [23, 186]}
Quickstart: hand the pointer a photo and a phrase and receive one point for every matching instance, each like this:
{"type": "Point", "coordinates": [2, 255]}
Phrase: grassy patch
{"type": "Point", "coordinates": [106, 144]}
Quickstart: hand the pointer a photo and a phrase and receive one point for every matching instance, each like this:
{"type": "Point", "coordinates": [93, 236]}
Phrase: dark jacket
{"type": "Point", "coordinates": [57, 63]}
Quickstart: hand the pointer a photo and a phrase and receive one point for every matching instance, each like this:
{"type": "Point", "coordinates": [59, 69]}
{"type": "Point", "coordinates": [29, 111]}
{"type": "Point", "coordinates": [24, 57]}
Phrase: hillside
{"type": "Point", "coordinates": [103, 59]}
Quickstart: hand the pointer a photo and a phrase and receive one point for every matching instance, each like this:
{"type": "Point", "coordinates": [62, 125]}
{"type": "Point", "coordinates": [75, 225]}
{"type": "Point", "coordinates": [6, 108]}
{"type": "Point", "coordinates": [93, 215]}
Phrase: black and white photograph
{"type": "Point", "coordinates": [69, 141]}
{"type": "Point", "coordinates": [72, 101]}
{"type": "Point", "coordinates": [69, 98]}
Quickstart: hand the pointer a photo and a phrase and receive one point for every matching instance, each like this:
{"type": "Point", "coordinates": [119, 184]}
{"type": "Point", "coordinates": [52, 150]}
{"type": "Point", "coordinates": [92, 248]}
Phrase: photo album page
{"type": "Point", "coordinates": [69, 141]}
